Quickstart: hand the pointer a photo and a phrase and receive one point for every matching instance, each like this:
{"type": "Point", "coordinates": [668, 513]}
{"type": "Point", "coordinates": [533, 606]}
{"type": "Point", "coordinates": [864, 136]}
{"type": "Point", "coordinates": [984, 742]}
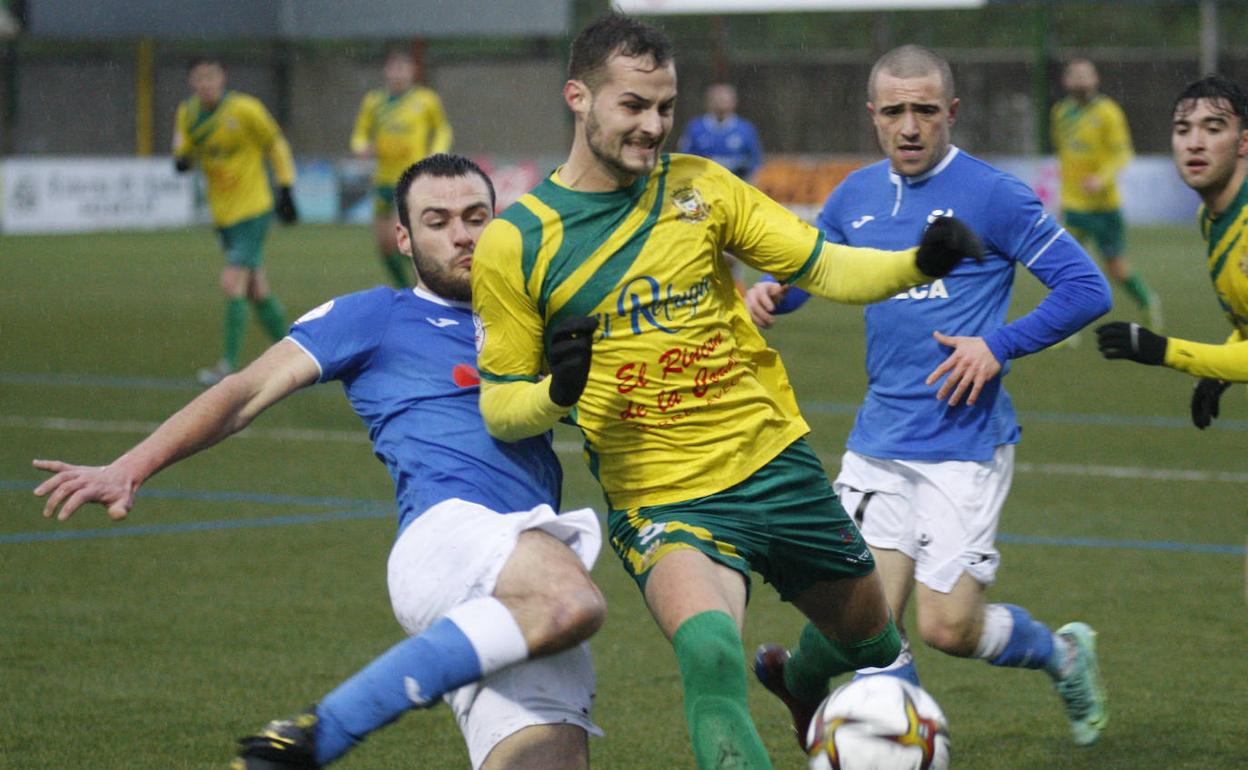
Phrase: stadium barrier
{"type": "Point", "coordinates": [85, 194]}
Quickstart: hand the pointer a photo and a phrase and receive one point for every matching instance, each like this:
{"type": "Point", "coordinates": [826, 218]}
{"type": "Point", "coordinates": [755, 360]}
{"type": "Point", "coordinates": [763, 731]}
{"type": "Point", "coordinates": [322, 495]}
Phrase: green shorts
{"type": "Point", "coordinates": [383, 201]}
{"type": "Point", "coordinates": [1104, 229]}
{"type": "Point", "coordinates": [243, 242]}
{"type": "Point", "coordinates": [784, 522]}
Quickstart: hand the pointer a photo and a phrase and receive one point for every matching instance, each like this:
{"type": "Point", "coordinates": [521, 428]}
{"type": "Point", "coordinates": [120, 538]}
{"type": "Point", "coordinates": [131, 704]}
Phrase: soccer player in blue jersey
{"type": "Point", "coordinates": [484, 574]}
{"type": "Point", "coordinates": [931, 454]}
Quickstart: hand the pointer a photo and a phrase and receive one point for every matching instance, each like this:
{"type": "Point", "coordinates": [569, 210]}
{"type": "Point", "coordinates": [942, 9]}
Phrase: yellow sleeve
{"type": "Point", "coordinates": [442, 135]}
{"type": "Point", "coordinates": [1117, 144]}
{"type": "Point", "coordinates": [181, 133]}
{"type": "Point", "coordinates": [1228, 361]}
{"type": "Point", "coordinates": [268, 136]}
{"type": "Point", "coordinates": [518, 410]}
{"type": "Point", "coordinates": [362, 134]}
{"type": "Point", "coordinates": [859, 276]}
{"type": "Point", "coordinates": [515, 402]}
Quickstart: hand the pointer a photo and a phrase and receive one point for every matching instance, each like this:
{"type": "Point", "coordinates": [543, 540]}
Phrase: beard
{"type": "Point", "coordinates": [442, 280]}
{"type": "Point", "coordinates": [614, 162]}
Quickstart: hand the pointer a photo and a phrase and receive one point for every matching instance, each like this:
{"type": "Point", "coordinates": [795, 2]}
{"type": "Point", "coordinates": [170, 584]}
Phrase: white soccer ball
{"type": "Point", "coordinates": [878, 722]}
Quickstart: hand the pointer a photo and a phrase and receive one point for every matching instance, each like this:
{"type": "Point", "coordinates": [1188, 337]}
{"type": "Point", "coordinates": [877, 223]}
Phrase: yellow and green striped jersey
{"type": "Point", "coordinates": [1226, 239]}
{"type": "Point", "coordinates": [684, 397]}
{"type": "Point", "coordinates": [401, 129]}
{"type": "Point", "coordinates": [230, 143]}
{"type": "Point", "coordinates": [1091, 140]}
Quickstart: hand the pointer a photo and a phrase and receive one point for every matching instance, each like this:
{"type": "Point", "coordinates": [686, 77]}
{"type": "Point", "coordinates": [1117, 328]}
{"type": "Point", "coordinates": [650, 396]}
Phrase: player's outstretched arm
{"type": "Point", "coordinates": [860, 276]}
{"type": "Point", "coordinates": [222, 410]}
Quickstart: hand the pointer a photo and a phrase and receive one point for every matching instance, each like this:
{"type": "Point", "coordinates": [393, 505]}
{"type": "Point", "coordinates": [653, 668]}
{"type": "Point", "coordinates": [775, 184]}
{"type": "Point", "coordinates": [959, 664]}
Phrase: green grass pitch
{"type": "Point", "coordinates": [156, 649]}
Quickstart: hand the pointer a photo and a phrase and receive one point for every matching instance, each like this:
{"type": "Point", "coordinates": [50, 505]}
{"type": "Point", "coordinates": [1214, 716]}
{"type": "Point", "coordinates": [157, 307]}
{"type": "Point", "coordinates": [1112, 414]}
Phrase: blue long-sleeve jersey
{"type": "Point", "coordinates": [901, 417]}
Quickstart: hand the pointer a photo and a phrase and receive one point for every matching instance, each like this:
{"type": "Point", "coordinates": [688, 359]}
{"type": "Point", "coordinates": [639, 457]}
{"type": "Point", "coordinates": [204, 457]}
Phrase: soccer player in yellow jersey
{"type": "Point", "coordinates": [609, 278]}
{"type": "Point", "coordinates": [398, 125]}
{"type": "Point", "coordinates": [230, 135]}
{"type": "Point", "coordinates": [1093, 144]}
{"type": "Point", "coordinates": [1209, 140]}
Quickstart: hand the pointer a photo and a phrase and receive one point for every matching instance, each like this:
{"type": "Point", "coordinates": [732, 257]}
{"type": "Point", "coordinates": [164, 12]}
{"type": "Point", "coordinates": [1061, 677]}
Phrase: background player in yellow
{"type": "Point", "coordinates": [1209, 141]}
{"type": "Point", "coordinates": [609, 277]}
{"type": "Point", "coordinates": [398, 125]}
{"type": "Point", "coordinates": [230, 135]}
{"type": "Point", "coordinates": [1093, 144]}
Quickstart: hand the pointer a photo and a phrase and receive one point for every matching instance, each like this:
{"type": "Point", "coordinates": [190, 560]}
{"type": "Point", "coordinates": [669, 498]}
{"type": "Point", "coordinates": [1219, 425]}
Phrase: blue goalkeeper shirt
{"type": "Point", "coordinates": [407, 361]}
{"type": "Point", "coordinates": [901, 417]}
{"type": "Point", "coordinates": [732, 144]}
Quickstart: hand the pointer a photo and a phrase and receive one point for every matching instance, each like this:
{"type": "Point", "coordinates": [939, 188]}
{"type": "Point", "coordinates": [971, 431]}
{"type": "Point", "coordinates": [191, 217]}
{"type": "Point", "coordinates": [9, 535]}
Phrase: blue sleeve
{"type": "Point", "coordinates": [1020, 229]}
{"type": "Point", "coordinates": [342, 334]}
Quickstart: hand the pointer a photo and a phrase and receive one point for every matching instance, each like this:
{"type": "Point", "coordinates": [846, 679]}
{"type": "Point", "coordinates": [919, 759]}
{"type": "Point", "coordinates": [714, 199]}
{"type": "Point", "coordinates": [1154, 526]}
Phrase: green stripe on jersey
{"type": "Point", "coordinates": [603, 282]}
{"type": "Point", "coordinates": [530, 227]}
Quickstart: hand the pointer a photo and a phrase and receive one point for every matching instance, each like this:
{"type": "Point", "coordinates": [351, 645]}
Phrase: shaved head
{"type": "Point", "coordinates": [912, 61]}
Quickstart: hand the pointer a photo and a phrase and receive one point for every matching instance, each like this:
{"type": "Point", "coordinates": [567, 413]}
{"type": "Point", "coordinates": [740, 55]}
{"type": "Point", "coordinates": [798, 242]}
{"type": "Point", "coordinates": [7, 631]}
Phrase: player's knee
{"type": "Point", "coordinates": [569, 617]}
{"type": "Point", "coordinates": [948, 635]}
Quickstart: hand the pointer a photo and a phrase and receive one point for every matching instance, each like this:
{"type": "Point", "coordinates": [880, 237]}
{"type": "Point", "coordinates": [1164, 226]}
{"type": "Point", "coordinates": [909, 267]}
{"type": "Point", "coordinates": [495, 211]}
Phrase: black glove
{"type": "Point", "coordinates": [945, 242]}
{"type": "Point", "coordinates": [182, 164]}
{"type": "Point", "coordinates": [286, 206]}
{"type": "Point", "coordinates": [1205, 401]}
{"type": "Point", "coordinates": [1119, 339]}
{"type": "Point", "coordinates": [568, 354]}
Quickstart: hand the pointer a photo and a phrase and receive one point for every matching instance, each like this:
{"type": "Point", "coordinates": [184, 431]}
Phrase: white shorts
{"type": "Point", "coordinates": [943, 515]}
{"type": "Point", "coordinates": [454, 552]}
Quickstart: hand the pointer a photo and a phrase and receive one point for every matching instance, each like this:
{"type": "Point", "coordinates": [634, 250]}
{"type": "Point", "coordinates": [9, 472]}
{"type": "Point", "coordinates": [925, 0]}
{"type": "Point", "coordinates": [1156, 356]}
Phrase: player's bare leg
{"type": "Point", "coordinates": [549, 592]}
{"type": "Point", "coordinates": [896, 571]}
{"type": "Point", "coordinates": [699, 605]}
{"type": "Point", "coordinates": [541, 747]}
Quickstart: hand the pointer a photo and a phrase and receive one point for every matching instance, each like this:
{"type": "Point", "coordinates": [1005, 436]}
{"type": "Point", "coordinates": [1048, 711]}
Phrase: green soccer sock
{"type": "Point", "coordinates": [708, 651]}
{"type": "Point", "coordinates": [272, 316]}
{"type": "Point", "coordinates": [398, 265]}
{"type": "Point", "coordinates": [1138, 290]}
{"type": "Point", "coordinates": [235, 325]}
{"type": "Point", "coordinates": [818, 658]}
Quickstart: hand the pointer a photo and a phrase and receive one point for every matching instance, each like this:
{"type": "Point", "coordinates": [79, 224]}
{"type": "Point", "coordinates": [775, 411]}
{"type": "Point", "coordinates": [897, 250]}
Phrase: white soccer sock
{"type": "Point", "coordinates": [493, 631]}
{"type": "Point", "coordinates": [998, 625]}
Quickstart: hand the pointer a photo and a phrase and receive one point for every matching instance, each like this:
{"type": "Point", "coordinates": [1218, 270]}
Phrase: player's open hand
{"type": "Point", "coordinates": [761, 300]}
{"type": "Point", "coordinates": [74, 485]}
{"type": "Point", "coordinates": [970, 366]}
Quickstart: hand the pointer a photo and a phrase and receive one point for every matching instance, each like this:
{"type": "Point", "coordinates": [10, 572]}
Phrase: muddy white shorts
{"type": "Point", "coordinates": [943, 515]}
{"type": "Point", "coordinates": [454, 552]}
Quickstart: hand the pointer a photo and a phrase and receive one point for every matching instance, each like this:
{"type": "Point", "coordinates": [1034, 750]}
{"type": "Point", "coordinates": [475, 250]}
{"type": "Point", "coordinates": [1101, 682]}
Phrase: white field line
{"type": "Point", "coordinates": [324, 435]}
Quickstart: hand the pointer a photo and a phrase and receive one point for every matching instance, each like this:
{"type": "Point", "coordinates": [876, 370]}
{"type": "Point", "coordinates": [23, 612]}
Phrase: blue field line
{"type": "Point", "coordinates": [196, 526]}
{"type": "Point", "coordinates": [1127, 545]}
{"type": "Point", "coordinates": [260, 498]}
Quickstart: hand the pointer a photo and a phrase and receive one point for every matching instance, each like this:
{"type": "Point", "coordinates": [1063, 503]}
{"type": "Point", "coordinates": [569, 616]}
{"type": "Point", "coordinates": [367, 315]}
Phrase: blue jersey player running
{"type": "Point", "coordinates": [722, 135]}
{"type": "Point", "coordinates": [929, 462]}
{"type": "Point", "coordinates": [483, 575]}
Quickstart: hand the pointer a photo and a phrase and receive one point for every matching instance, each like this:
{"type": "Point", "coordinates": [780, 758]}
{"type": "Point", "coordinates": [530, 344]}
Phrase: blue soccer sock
{"type": "Point", "coordinates": [471, 641]}
{"type": "Point", "coordinates": [1012, 638]}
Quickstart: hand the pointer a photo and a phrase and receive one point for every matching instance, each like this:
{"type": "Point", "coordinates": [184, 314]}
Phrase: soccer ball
{"type": "Point", "coordinates": [878, 722]}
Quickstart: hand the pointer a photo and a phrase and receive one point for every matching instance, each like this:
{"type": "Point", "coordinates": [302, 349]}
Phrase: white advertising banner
{"type": "Point", "coordinates": [57, 195]}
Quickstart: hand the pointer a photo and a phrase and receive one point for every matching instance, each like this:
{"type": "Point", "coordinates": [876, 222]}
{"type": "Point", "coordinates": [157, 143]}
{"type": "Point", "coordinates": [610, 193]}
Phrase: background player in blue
{"type": "Point", "coordinates": [722, 135]}
{"type": "Point", "coordinates": [477, 590]}
{"type": "Point", "coordinates": [929, 462]}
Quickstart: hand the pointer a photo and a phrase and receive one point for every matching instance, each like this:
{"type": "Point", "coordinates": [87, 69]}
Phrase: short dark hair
{"type": "Point", "coordinates": [912, 61]}
{"type": "Point", "coordinates": [1215, 88]}
{"type": "Point", "coordinates": [615, 34]}
{"type": "Point", "coordinates": [201, 60]}
{"type": "Point", "coordinates": [445, 165]}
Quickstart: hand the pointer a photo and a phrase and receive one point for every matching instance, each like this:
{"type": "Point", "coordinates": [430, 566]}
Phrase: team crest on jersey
{"type": "Point", "coordinates": [693, 208]}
